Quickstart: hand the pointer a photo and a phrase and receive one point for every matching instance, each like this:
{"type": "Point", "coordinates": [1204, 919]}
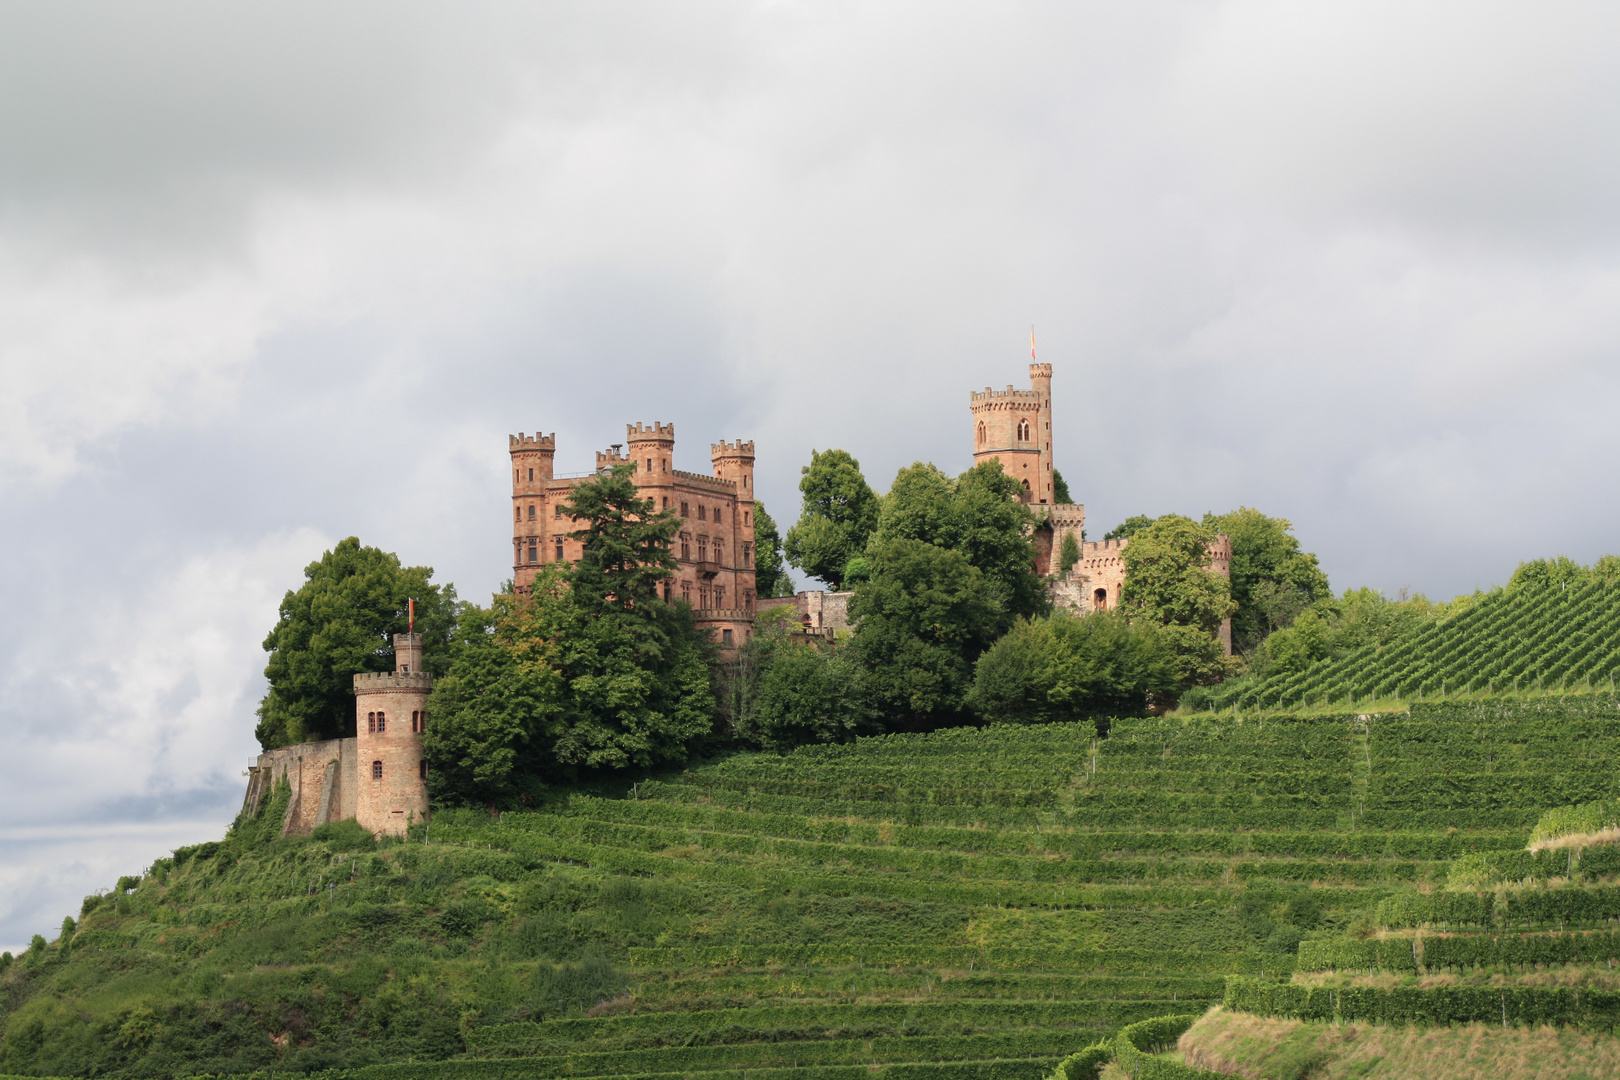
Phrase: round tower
{"type": "Point", "coordinates": [652, 452]}
{"type": "Point", "coordinates": [1014, 427]}
{"type": "Point", "coordinates": [390, 717]}
{"type": "Point", "coordinates": [532, 457]}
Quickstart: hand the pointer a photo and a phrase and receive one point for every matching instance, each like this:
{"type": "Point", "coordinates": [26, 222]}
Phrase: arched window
{"type": "Point", "coordinates": [981, 433]}
{"type": "Point", "coordinates": [382, 723]}
{"type": "Point", "coordinates": [371, 723]}
{"type": "Point", "coordinates": [1099, 599]}
{"type": "Point", "coordinates": [1023, 430]}
{"type": "Point", "coordinates": [376, 770]}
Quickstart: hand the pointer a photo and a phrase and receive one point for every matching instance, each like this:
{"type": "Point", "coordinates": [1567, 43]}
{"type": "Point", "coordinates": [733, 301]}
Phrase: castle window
{"type": "Point", "coordinates": [517, 513]}
{"type": "Point", "coordinates": [531, 511]}
{"type": "Point", "coordinates": [717, 515]}
{"type": "Point", "coordinates": [649, 465]}
{"type": "Point", "coordinates": [725, 638]}
{"type": "Point", "coordinates": [1099, 599]}
{"type": "Point", "coordinates": [748, 551]}
{"type": "Point", "coordinates": [517, 475]}
{"type": "Point", "coordinates": [703, 597]}
{"type": "Point", "coordinates": [531, 476]}
{"type": "Point", "coordinates": [382, 723]}
{"type": "Point", "coordinates": [666, 592]}
{"type": "Point", "coordinates": [684, 511]}
{"type": "Point", "coordinates": [981, 433]}
{"type": "Point", "coordinates": [376, 770]}
{"type": "Point", "coordinates": [559, 549]}
{"type": "Point", "coordinates": [719, 596]}
{"type": "Point", "coordinates": [719, 551]}
{"type": "Point", "coordinates": [421, 769]}
{"type": "Point", "coordinates": [702, 511]}
{"type": "Point", "coordinates": [686, 591]}
{"type": "Point", "coordinates": [558, 511]}
{"type": "Point", "coordinates": [748, 601]}
{"type": "Point", "coordinates": [666, 502]}
{"type": "Point", "coordinates": [371, 723]}
{"type": "Point", "coordinates": [703, 549]}
{"type": "Point", "coordinates": [746, 519]}
{"type": "Point", "coordinates": [1023, 431]}
{"type": "Point", "coordinates": [534, 553]}
{"type": "Point", "coordinates": [416, 721]}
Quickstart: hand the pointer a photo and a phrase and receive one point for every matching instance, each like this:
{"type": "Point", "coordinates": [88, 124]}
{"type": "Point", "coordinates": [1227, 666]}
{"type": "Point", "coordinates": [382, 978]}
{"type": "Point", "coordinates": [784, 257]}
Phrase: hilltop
{"type": "Point", "coordinates": [979, 901]}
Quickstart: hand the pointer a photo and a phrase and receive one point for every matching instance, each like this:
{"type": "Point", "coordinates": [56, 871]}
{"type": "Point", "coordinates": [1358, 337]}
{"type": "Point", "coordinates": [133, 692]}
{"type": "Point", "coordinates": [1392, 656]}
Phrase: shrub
{"type": "Point", "coordinates": [348, 835]}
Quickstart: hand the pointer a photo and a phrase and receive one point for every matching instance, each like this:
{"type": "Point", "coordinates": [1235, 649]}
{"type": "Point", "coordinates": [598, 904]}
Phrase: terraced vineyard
{"type": "Point", "coordinates": [961, 904]}
{"type": "Point", "coordinates": [1529, 639]}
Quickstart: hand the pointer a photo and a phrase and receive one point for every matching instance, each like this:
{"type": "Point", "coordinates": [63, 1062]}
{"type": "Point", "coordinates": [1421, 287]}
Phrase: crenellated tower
{"type": "Point", "coordinates": [390, 716]}
{"type": "Point", "coordinates": [532, 457]}
{"type": "Point", "coordinates": [1014, 427]}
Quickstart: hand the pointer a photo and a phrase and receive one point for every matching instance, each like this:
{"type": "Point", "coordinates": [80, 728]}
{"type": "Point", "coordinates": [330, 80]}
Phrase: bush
{"type": "Point", "coordinates": [564, 988]}
{"type": "Point", "coordinates": [348, 835]}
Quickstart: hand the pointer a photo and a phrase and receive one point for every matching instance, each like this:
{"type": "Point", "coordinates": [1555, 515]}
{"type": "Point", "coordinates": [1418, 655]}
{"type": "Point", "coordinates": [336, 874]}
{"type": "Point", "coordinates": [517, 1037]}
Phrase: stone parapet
{"type": "Point", "coordinates": [713, 482]}
{"type": "Point", "coordinates": [392, 682]}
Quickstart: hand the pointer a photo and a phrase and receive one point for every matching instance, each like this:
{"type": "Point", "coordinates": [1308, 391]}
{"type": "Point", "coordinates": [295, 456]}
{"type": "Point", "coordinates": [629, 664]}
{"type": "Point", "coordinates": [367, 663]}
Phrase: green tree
{"type": "Point", "coordinates": [1063, 668]}
{"type": "Point", "coordinates": [591, 669]}
{"type": "Point", "coordinates": [920, 623]}
{"type": "Point", "coordinates": [978, 514]}
{"type": "Point", "coordinates": [1273, 581]}
{"type": "Point", "coordinates": [341, 622]}
{"type": "Point", "coordinates": [770, 572]}
{"type": "Point", "coordinates": [839, 515]}
{"type": "Point", "coordinates": [1068, 554]}
{"type": "Point", "coordinates": [497, 707]}
{"type": "Point", "coordinates": [1128, 528]}
{"type": "Point", "coordinates": [1168, 582]}
{"type": "Point", "coordinates": [801, 693]}
{"type": "Point", "coordinates": [1060, 489]}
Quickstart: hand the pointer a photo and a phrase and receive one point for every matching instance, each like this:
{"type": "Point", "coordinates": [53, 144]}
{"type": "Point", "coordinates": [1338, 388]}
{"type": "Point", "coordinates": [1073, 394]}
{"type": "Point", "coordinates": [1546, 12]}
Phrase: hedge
{"type": "Point", "coordinates": [524, 1069]}
{"type": "Point", "coordinates": [1136, 1045]}
{"type": "Point", "coordinates": [1522, 1005]}
{"type": "Point", "coordinates": [961, 956]}
{"type": "Point", "coordinates": [1522, 907]}
{"type": "Point", "coordinates": [1388, 954]}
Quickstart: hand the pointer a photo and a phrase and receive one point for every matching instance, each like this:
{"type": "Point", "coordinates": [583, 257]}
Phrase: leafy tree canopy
{"type": "Point", "coordinates": [839, 515]}
{"type": "Point", "coordinates": [591, 669]}
{"type": "Point", "coordinates": [1168, 582]}
{"type": "Point", "coordinates": [1068, 554]}
{"type": "Point", "coordinates": [770, 572]}
{"type": "Point", "coordinates": [785, 694]}
{"type": "Point", "coordinates": [1563, 572]}
{"type": "Point", "coordinates": [341, 622]}
{"type": "Point", "coordinates": [1062, 668]}
{"type": "Point", "coordinates": [1128, 528]}
{"type": "Point", "coordinates": [978, 514]}
{"type": "Point", "coordinates": [1060, 489]}
{"type": "Point", "coordinates": [921, 621]}
{"type": "Point", "coordinates": [1273, 581]}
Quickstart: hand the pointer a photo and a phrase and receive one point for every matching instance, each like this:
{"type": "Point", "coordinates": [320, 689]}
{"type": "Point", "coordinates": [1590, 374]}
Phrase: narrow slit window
{"type": "Point", "coordinates": [421, 769]}
{"type": "Point", "coordinates": [382, 723]}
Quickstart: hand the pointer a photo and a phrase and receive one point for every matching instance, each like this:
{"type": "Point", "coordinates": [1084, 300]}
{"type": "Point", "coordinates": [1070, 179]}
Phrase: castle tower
{"type": "Point", "coordinates": [532, 457]}
{"type": "Point", "coordinates": [652, 452]}
{"type": "Point", "coordinates": [390, 716]}
{"type": "Point", "coordinates": [1014, 427]}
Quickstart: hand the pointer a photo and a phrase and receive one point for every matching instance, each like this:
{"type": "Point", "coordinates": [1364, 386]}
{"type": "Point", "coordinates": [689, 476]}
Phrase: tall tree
{"type": "Point", "coordinates": [920, 623]}
{"type": "Point", "coordinates": [770, 572]}
{"type": "Point", "coordinates": [1273, 581]}
{"type": "Point", "coordinates": [1069, 553]}
{"type": "Point", "coordinates": [1168, 581]}
{"type": "Point", "coordinates": [839, 515]}
{"type": "Point", "coordinates": [1128, 528]}
{"type": "Point", "coordinates": [591, 669]}
{"type": "Point", "coordinates": [341, 622]}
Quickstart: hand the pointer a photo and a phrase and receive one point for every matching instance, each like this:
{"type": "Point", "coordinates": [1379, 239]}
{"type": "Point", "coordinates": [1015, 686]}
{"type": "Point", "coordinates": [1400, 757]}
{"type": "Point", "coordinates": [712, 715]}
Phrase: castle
{"type": "Point", "coordinates": [714, 549]}
{"type": "Point", "coordinates": [1014, 427]}
{"type": "Point", "coordinates": [379, 777]}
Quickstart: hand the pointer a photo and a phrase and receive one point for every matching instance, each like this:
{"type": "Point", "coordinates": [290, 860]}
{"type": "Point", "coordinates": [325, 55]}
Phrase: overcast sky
{"type": "Point", "coordinates": [276, 274]}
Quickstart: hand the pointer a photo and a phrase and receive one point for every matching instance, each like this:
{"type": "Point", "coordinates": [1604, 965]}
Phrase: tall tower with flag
{"type": "Point", "coordinates": [1014, 427]}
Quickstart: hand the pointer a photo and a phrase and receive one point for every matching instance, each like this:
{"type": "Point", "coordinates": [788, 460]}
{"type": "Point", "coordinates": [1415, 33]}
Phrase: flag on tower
{"type": "Point", "coordinates": [412, 623]}
{"type": "Point", "coordinates": [1032, 343]}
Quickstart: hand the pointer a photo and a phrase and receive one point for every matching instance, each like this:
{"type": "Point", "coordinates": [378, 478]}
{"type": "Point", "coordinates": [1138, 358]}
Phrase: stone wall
{"type": "Point", "coordinates": [317, 772]}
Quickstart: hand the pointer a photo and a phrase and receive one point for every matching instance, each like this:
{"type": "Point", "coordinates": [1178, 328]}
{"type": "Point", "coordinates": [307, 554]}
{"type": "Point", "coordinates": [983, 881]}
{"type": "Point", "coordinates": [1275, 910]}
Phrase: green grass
{"type": "Point", "coordinates": [977, 903]}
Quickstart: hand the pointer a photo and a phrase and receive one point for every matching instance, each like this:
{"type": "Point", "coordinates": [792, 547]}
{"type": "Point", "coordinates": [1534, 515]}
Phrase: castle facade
{"type": "Point", "coordinates": [714, 550]}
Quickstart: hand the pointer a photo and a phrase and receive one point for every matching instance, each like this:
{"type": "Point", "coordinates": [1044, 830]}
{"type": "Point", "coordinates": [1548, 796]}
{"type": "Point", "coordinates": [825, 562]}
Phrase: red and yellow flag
{"type": "Point", "coordinates": [1032, 343]}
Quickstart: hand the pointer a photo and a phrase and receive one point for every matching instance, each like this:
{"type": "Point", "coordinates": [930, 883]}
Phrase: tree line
{"type": "Point", "coordinates": [592, 671]}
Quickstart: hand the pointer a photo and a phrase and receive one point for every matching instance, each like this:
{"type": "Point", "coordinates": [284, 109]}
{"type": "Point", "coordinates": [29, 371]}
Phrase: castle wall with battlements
{"type": "Point", "coordinates": [714, 549]}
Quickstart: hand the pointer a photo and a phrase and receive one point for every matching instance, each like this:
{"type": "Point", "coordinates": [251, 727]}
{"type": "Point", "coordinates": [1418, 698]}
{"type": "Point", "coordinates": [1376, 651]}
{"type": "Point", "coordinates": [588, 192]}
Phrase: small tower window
{"type": "Point", "coordinates": [371, 723]}
{"type": "Point", "coordinates": [382, 723]}
{"type": "Point", "coordinates": [666, 502]}
{"type": "Point", "coordinates": [557, 511]}
{"type": "Point", "coordinates": [1099, 599]}
{"type": "Point", "coordinates": [421, 769]}
{"type": "Point", "coordinates": [534, 553]}
{"type": "Point", "coordinates": [725, 638]}
{"type": "Point", "coordinates": [416, 721]}
{"type": "Point", "coordinates": [376, 770]}
{"type": "Point", "coordinates": [531, 475]}
{"type": "Point", "coordinates": [517, 513]}
{"type": "Point", "coordinates": [981, 433]}
{"type": "Point", "coordinates": [559, 549]}
{"type": "Point", "coordinates": [531, 511]}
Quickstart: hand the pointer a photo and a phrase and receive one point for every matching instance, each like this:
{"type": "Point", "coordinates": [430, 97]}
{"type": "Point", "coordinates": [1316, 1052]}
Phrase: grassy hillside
{"type": "Point", "coordinates": [966, 904]}
{"type": "Point", "coordinates": [1524, 640]}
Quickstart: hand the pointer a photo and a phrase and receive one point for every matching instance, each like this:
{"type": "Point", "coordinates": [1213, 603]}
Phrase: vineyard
{"type": "Point", "coordinates": [1520, 641]}
{"type": "Point", "coordinates": [967, 903]}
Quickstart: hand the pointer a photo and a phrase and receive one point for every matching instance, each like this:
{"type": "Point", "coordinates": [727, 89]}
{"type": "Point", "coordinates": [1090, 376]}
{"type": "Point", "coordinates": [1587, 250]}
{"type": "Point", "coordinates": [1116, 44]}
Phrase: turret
{"type": "Point", "coordinates": [532, 457]}
{"type": "Point", "coordinates": [652, 451]}
{"type": "Point", "coordinates": [390, 716]}
{"type": "Point", "coordinates": [735, 462]}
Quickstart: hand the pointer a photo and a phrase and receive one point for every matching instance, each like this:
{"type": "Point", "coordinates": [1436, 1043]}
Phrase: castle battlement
{"type": "Point", "coordinates": [1007, 398]}
{"type": "Point", "coordinates": [1101, 547]}
{"type": "Point", "coordinates": [654, 432]}
{"type": "Point", "coordinates": [737, 449]}
{"type": "Point", "coordinates": [708, 615]}
{"type": "Point", "coordinates": [706, 481]}
{"type": "Point", "coordinates": [606, 459]}
{"type": "Point", "coordinates": [375, 682]}
{"type": "Point", "coordinates": [537, 441]}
